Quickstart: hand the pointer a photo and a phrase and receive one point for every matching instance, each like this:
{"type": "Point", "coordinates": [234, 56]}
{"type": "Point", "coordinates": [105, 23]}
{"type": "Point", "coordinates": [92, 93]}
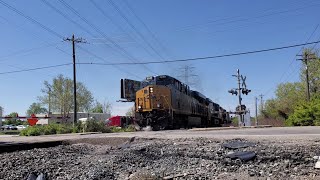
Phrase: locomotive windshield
{"type": "Point", "coordinates": [164, 80]}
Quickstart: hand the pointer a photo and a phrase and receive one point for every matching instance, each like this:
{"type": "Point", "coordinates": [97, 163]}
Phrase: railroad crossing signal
{"type": "Point", "coordinates": [246, 91]}
{"type": "Point", "coordinates": [232, 91]}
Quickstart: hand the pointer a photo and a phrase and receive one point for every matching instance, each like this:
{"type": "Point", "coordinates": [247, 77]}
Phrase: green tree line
{"type": "Point", "coordinates": [291, 104]}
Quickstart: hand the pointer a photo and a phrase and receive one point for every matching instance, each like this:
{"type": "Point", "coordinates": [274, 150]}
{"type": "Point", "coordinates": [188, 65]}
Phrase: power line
{"type": "Point", "coordinates": [25, 51]}
{"type": "Point", "coordinates": [207, 57]}
{"type": "Point", "coordinates": [134, 28]}
{"type": "Point", "coordinates": [293, 60]}
{"type": "Point", "coordinates": [171, 61]}
{"type": "Point", "coordinates": [146, 27]}
{"type": "Point", "coordinates": [31, 33]}
{"type": "Point", "coordinates": [37, 68]}
{"type": "Point", "coordinates": [98, 57]}
{"type": "Point", "coordinates": [66, 17]}
{"type": "Point", "coordinates": [118, 26]}
{"type": "Point", "coordinates": [119, 48]}
{"type": "Point", "coordinates": [235, 19]}
{"type": "Point", "coordinates": [32, 20]}
{"type": "Point", "coordinates": [84, 29]}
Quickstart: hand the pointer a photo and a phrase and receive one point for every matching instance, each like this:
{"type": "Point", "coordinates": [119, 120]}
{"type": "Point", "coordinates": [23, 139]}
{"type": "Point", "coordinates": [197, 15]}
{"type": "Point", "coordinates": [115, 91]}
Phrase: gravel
{"type": "Point", "coordinates": [189, 158]}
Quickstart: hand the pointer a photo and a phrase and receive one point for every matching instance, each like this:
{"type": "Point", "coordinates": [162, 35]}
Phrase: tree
{"type": "Point", "coordinates": [288, 96]}
{"type": "Point", "coordinates": [313, 69]}
{"type": "Point", "coordinates": [104, 107]}
{"type": "Point", "coordinates": [59, 96]}
{"type": "Point", "coordinates": [97, 108]}
{"type": "Point", "coordinates": [131, 112]}
{"type": "Point", "coordinates": [291, 104]}
{"type": "Point", "coordinates": [107, 107]}
{"type": "Point", "coordinates": [1, 110]}
{"type": "Point", "coordinates": [35, 108]}
{"type": "Point", "coordinates": [271, 109]}
{"type": "Point", "coordinates": [14, 120]}
{"type": "Point", "coordinates": [306, 114]}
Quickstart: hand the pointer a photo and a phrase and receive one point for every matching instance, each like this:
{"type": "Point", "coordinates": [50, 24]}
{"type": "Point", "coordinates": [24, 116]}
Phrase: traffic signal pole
{"type": "Point", "coordinates": [242, 88]}
{"type": "Point", "coordinates": [239, 95]}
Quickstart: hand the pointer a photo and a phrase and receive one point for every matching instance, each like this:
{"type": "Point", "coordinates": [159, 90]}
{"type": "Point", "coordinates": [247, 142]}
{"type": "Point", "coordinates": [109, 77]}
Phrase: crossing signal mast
{"type": "Point", "coordinates": [242, 88]}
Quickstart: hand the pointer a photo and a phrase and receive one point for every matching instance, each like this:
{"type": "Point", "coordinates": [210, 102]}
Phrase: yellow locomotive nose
{"type": "Point", "coordinates": [153, 98]}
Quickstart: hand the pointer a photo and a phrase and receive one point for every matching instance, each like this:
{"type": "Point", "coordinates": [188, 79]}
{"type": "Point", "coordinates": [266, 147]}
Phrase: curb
{"type": "Point", "coordinates": [228, 128]}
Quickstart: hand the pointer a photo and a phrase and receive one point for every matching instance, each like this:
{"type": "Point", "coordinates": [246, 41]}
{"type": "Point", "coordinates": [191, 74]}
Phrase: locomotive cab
{"type": "Point", "coordinates": [153, 104]}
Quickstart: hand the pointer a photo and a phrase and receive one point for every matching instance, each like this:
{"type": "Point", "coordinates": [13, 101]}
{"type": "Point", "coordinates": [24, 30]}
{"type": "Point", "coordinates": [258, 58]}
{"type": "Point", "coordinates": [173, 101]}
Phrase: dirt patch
{"type": "Point", "coordinates": [110, 141]}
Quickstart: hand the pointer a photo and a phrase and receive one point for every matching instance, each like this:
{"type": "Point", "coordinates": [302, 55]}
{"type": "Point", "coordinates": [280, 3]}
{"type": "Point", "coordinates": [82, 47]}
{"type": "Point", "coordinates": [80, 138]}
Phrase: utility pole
{"type": "Point", "coordinates": [49, 103]}
{"type": "Point", "coordinates": [239, 88]}
{"type": "Point", "coordinates": [186, 76]}
{"type": "Point", "coordinates": [74, 40]}
{"type": "Point", "coordinates": [256, 106]}
{"type": "Point", "coordinates": [240, 99]}
{"type": "Point", "coordinates": [305, 58]}
{"type": "Point", "coordinates": [261, 102]}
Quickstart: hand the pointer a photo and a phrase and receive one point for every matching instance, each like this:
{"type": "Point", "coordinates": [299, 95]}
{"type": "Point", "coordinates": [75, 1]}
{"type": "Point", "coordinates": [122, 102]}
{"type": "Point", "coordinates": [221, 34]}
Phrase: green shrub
{"type": "Point", "coordinates": [63, 129]}
{"type": "Point", "coordinates": [46, 130]}
{"type": "Point", "coordinates": [96, 126]}
{"type": "Point", "coordinates": [306, 114]}
{"type": "Point", "coordinates": [24, 132]}
{"type": "Point", "coordinates": [49, 129]}
{"type": "Point", "coordinates": [89, 126]}
{"type": "Point", "coordinates": [31, 131]}
{"type": "Point", "coordinates": [129, 128]}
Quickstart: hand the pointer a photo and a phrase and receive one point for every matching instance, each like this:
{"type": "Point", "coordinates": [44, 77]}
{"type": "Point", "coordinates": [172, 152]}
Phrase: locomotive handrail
{"type": "Point", "coordinates": [170, 107]}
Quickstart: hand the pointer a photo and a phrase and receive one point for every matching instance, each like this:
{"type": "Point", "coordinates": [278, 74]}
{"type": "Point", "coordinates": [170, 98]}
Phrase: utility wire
{"type": "Point", "coordinates": [146, 27]}
{"type": "Point", "coordinates": [47, 3]}
{"type": "Point", "coordinates": [43, 27]}
{"type": "Point", "coordinates": [119, 48]}
{"type": "Point", "coordinates": [207, 57]}
{"type": "Point", "coordinates": [32, 20]}
{"type": "Point", "coordinates": [236, 19]}
{"type": "Point", "coordinates": [36, 68]}
{"type": "Point", "coordinates": [293, 60]}
{"type": "Point", "coordinates": [48, 44]}
{"type": "Point", "coordinates": [105, 14]}
{"type": "Point", "coordinates": [98, 57]}
{"type": "Point", "coordinates": [191, 59]}
{"type": "Point", "coordinates": [134, 28]}
{"type": "Point", "coordinates": [26, 51]}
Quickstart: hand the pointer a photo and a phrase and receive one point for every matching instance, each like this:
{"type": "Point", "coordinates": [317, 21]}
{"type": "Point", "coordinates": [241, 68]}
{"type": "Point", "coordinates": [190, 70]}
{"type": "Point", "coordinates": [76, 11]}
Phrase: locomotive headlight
{"type": "Point", "coordinates": [139, 107]}
{"type": "Point", "coordinates": [151, 89]}
{"type": "Point", "coordinates": [158, 105]}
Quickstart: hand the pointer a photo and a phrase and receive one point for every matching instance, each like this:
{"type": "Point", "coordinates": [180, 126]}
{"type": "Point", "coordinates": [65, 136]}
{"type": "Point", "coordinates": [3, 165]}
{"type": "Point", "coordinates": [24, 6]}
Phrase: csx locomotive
{"type": "Point", "coordinates": [164, 102]}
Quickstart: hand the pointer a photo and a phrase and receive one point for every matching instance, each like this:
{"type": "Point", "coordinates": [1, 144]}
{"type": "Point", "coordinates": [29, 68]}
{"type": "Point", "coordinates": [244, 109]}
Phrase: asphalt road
{"type": "Point", "coordinates": [274, 133]}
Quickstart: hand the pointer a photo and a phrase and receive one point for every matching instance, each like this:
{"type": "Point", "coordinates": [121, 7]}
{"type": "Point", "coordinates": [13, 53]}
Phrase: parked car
{"type": "Point", "coordinates": [4, 127]}
{"type": "Point", "coordinates": [9, 127]}
{"type": "Point", "coordinates": [21, 127]}
{"type": "Point", "coordinates": [12, 127]}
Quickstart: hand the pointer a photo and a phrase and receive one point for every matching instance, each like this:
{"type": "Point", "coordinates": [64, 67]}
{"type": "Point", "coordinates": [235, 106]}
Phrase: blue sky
{"type": "Point", "coordinates": [183, 29]}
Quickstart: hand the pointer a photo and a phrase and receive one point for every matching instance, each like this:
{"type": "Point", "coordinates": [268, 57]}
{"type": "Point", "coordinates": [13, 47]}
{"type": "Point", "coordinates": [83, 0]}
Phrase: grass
{"type": "Point", "coordinates": [130, 128]}
{"type": "Point", "coordinates": [9, 132]}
